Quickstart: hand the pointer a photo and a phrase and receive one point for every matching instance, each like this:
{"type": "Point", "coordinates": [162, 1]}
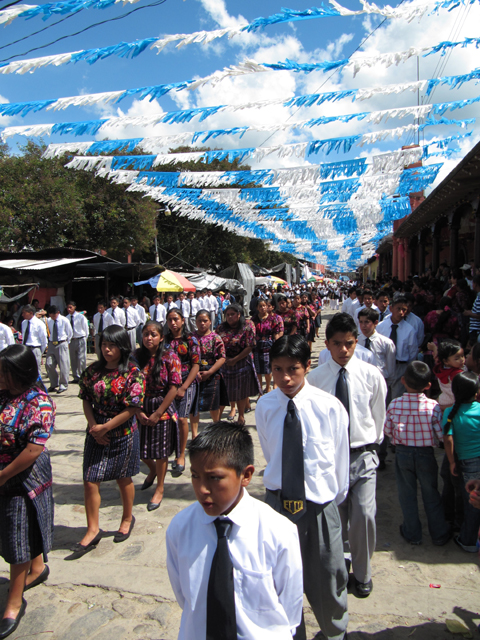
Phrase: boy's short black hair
{"type": "Point", "coordinates": [71, 302]}
{"type": "Point", "coordinates": [370, 314]}
{"type": "Point", "coordinates": [53, 309]}
{"type": "Point", "coordinates": [295, 347]}
{"type": "Point", "coordinates": [101, 303]}
{"type": "Point", "coordinates": [399, 299]}
{"type": "Point", "coordinates": [367, 292]}
{"type": "Point", "coordinates": [382, 294]}
{"type": "Point", "coordinates": [341, 323]}
{"type": "Point", "coordinates": [417, 375]}
{"type": "Point", "coordinates": [229, 442]}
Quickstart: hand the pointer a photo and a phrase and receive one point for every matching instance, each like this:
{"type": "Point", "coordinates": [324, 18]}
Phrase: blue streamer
{"type": "Point", "coordinates": [332, 144]}
{"type": "Point", "coordinates": [109, 146]}
{"type": "Point", "coordinates": [132, 162]}
{"type": "Point", "coordinates": [291, 15]}
{"type": "Point", "coordinates": [78, 128]}
{"type": "Point", "coordinates": [445, 46]}
{"type": "Point", "coordinates": [306, 67]}
{"type": "Point", "coordinates": [452, 81]}
{"type": "Point", "coordinates": [23, 108]}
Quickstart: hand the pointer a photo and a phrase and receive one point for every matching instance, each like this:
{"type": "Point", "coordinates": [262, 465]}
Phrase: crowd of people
{"type": "Point", "coordinates": [394, 372]}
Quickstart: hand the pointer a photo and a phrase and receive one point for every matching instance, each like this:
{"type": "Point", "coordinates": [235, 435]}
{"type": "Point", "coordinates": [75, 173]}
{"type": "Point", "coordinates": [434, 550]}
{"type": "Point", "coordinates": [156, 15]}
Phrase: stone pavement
{"type": "Point", "coordinates": [122, 592]}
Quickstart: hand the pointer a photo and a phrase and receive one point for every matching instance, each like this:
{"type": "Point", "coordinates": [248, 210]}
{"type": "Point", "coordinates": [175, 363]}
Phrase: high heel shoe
{"type": "Point", "coordinates": [147, 484]}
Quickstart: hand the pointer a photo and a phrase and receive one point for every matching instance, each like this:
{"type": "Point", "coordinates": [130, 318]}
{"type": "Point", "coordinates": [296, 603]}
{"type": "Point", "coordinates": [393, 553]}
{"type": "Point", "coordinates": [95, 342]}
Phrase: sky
{"type": "Point", "coordinates": [308, 41]}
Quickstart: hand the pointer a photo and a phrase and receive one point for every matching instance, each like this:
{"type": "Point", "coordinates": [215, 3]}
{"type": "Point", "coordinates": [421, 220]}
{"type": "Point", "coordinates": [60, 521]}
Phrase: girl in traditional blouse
{"type": "Point", "coordinates": [112, 391]}
{"type": "Point", "coordinates": [312, 312]}
{"type": "Point", "coordinates": [287, 315]}
{"type": "Point", "coordinates": [159, 433]}
{"type": "Point", "coordinates": [301, 316]}
{"type": "Point", "coordinates": [238, 335]}
{"type": "Point", "coordinates": [317, 303]}
{"type": "Point", "coordinates": [212, 390]}
{"type": "Point", "coordinates": [27, 416]}
{"type": "Point", "coordinates": [186, 346]}
{"type": "Point", "coordinates": [268, 328]}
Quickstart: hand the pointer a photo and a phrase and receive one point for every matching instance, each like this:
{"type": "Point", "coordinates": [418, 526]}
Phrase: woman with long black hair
{"type": "Point", "coordinates": [186, 346]}
{"type": "Point", "coordinates": [159, 433]}
{"type": "Point", "coordinates": [112, 391]}
{"type": "Point", "coordinates": [27, 416]}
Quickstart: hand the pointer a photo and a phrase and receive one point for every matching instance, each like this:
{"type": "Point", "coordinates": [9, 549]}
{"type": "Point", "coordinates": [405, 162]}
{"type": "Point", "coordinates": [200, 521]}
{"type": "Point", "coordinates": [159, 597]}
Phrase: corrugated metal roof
{"type": "Point", "coordinates": [39, 265]}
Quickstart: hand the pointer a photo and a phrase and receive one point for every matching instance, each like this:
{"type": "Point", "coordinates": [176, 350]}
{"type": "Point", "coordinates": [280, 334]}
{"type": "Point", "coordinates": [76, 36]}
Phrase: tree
{"type": "Point", "coordinates": [43, 204]}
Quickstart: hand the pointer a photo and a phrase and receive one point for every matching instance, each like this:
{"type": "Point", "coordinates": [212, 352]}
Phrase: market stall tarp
{"type": "Point", "coordinates": [4, 299]}
{"type": "Point", "coordinates": [169, 281]}
{"type": "Point", "coordinates": [241, 272]}
{"type": "Point", "coordinates": [216, 284]}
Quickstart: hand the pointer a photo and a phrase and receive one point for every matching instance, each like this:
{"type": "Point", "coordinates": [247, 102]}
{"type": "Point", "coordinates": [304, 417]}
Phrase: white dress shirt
{"type": "Point", "coordinates": [350, 306]}
{"type": "Point", "coordinates": [80, 324]}
{"type": "Point", "coordinates": [418, 327]}
{"type": "Point", "coordinates": [407, 347]}
{"type": "Point", "coordinates": [132, 319]}
{"type": "Point", "coordinates": [384, 352]}
{"type": "Point", "coordinates": [203, 303]}
{"type": "Point", "coordinates": [64, 329]}
{"type": "Point", "coordinates": [169, 305]}
{"type": "Point", "coordinates": [325, 442]}
{"type": "Point", "coordinates": [212, 303]}
{"type": "Point", "coordinates": [192, 307]}
{"type": "Point", "coordinates": [107, 321]}
{"type": "Point", "coordinates": [38, 333]}
{"type": "Point", "coordinates": [367, 393]}
{"type": "Point", "coordinates": [118, 316]}
{"type": "Point", "coordinates": [267, 570]}
{"type": "Point", "coordinates": [161, 313]}
{"type": "Point", "coordinates": [6, 337]}
{"type": "Point", "coordinates": [141, 312]}
{"type": "Point", "coordinates": [184, 306]}
{"type": "Point", "coordinates": [357, 311]}
{"type": "Point", "coordinates": [385, 313]}
{"type": "Point", "coordinates": [360, 352]}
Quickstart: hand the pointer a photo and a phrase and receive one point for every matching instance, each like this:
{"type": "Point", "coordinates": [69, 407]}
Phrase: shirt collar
{"type": "Point", "coordinates": [239, 516]}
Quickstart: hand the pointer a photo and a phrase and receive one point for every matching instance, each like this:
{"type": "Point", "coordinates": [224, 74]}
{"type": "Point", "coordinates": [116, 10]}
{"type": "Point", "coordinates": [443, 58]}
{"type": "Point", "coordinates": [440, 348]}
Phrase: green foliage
{"type": "Point", "coordinates": [44, 205]}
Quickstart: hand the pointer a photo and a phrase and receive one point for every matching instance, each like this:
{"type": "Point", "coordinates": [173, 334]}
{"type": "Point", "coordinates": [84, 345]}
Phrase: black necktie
{"type": "Point", "coordinates": [126, 318]}
{"type": "Point", "coordinates": [341, 391]}
{"type": "Point", "coordinates": [191, 312]}
{"type": "Point", "coordinates": [221, 619]}
{"type": "Point", "coordinates": [26, 335]}
{"type": "Point", "coordinates": [382, 313]}
{"type": "Point", "coordinates": [71, 322]}
{"type": "Point", "coordinates": [100, 324]}
{"type": "Point", "coordinates": [156, 314]}
{"type": "Point", "coordinates": [367, 343]}
{"type": "Point", "coordinates": [113, 314]}
{"type": "Point", "coordinates": [55, 332]}
{"type": "Point", "coordinates": [293, 475]}
{"type": "Point", "coordinates": [393, 334]}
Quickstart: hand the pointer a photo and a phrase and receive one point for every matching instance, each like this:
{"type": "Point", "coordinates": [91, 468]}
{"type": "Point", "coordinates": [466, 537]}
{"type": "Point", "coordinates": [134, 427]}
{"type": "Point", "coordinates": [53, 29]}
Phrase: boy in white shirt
{"type": "Point", "coordinates": [234, 564]}
{"type": "Point", "coordinates": [304, 438]}
{"type": "Point", "coordinates": [382, 348]}
{"type": "Point", "coordinates": [118, 315]}
{"type": "Point", "coordinates": [6, 337]}
{"type": "Point", "coordinates": [58, 350]}
{"type": "Point", "coordinates": [101, 320]}
{"type": "Point", "coordinates": [382, 300]}
{"type": "Point", "coordinates": [78, 343]}
{"type": "Point", "coordinates": [142, 316]}
{"type": "Point", "coordinates": [362, 390]}
{"type": "Point", "coordinates": [367, 304]}
{"type": "Point", "coordinates": [157, 310]}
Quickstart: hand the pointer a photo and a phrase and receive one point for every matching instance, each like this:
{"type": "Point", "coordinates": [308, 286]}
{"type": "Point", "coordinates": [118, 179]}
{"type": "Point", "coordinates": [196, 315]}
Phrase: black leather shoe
{"type": "Point", "coordinates": [9, 625]}
{"type": "Point", "coordinates": [151, 506]}
{"type": "Point", "coordinates": [364, 589]}
{"type": "Point", "coordinates": [84, 548]}
{"type": "Point", "coordinates": [121, 537]}
{"type": "Point", "coordinates": [41, 578]}
{"type": "Point", "coordinates": [147, 484]}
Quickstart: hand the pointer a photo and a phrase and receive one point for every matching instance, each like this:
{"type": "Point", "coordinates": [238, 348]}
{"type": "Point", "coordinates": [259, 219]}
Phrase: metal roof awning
{"type": "Point", "coordinates": [39, 265]}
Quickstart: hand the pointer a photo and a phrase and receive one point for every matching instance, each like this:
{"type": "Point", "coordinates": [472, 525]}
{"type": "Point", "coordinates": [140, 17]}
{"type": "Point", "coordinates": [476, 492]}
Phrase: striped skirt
{"type": "Point", "coordinates": [241, 380]}
{"type": "Point", "coordinates": [213, 393]}
{"type": "Point", "coordinates": [261, 356]}
{"type": "Point", "coordinates": [189, 403]}
{"type": "Point", "coordinates": [163, 439]}
{"type": "Point", "coordinates": [26, 513]}
{"type": "Point", "coordinates": [120, 458]}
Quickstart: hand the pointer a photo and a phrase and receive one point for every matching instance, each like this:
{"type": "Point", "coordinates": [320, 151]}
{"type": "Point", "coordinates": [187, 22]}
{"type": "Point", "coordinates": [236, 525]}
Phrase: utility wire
{"type": "Point", "coordinates": [71, 35]}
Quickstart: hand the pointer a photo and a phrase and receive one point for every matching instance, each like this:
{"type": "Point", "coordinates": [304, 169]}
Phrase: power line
{"type": "Point", "coordinates": [71, 35]}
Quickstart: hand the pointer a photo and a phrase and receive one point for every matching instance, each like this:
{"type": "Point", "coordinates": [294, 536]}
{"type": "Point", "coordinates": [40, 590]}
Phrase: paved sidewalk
{"type": "Point", "coordinates": [122, 592]}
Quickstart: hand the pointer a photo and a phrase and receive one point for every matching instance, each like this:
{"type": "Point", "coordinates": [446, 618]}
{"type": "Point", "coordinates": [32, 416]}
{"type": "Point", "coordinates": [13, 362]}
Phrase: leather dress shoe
{"type": "Point", "coordinates": [9, 625]}
{"type": "Point", "coordinates": [151, 506]}
{"type": "Point", "coordinates": [121, 537]}
{"type": "Point", "coordinates": [84, 548]}
{"type": "Point", "coordinates": [147, 484]}
{"type": "Point", "coordinates": [41, 578]}
{"type": "Point", "coordinates": [364, 589]}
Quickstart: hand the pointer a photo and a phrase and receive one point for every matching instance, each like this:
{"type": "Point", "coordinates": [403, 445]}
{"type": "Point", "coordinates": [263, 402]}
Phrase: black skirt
{"type": "Point", "coordinates": [163, 439]}
{"type": "Point", "coordinates": [213, 393]}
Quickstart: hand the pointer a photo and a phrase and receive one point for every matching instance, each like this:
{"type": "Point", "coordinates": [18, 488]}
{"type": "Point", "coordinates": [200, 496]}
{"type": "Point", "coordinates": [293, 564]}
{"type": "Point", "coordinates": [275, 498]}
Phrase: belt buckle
{"type": "Point", "coordinates": [293, 506]}
{"type": "Point", "coordinates": [54, 343]}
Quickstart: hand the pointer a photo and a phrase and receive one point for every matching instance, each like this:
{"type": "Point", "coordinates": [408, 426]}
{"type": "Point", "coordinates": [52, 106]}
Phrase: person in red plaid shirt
{"type": "Point", "coordinates": [414, 425]}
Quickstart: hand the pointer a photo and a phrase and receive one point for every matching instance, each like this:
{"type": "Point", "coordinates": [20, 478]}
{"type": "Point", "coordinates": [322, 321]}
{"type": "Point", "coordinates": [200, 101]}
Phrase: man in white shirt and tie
{"type": "Point", "coordinates": [414, 320]}
{"type": "Point", "coordinates": [132, 321]}
{"type": "Point", "coordinates": [6, 337]}
{"type": "Point", "coordinates": [182, 304]}
{"type": "Point", "coordinates": [382, 300]}
{"type": "Point", "coordinates": [382, 348]}
{"type": "Point", "coordinates": [58, 352]}
{"type": "Point", "coordinates": [118, 315]}
{"type": "Point", "coordinates": [101, 320]}
{"type": "Point", "coordinates": [78, 343]}
{"type": "Point", "coordinates": [362, 390]}
{"type": "Point", "coordinates": [34, 333]}
{"type": "Point", "coordinates": [157, 311]}
{"type": "Point", "coordinates": [211, 306]}
{"type": "Point", "coordinates": [192, 307]}
{"type": "Point", "coordinates": [142, 316]}
{"type": "Point", "coordinates": [367, 304]}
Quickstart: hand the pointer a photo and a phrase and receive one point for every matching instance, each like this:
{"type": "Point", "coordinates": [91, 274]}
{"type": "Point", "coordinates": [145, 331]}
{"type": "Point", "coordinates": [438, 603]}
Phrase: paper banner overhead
{"type": "Point", "coordinates": [330, 210]}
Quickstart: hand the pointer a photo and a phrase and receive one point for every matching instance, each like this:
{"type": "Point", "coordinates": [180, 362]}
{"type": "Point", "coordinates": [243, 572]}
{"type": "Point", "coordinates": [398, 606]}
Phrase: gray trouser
{"type": "Point", "coordinates": [37, 352]}
{"type": "Point", "coordinates": [192, 325]}
{"type": "Point", "coordinates": [132, 336]}
{"type": "Point", "coordinates": [97, 344]}
{"type": "Point", "coordinates": [324, 573]}
{"type": "Point", "coordinates": [358, 513]}
{"type": "Point", "coordinates": [58, 356]}
{"type": "Point", "coordinates": [395, 390]}
{"type": "Point", "coordinates": [139, 334]}
{"type": "Point", "coordinates": [78, 356]}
